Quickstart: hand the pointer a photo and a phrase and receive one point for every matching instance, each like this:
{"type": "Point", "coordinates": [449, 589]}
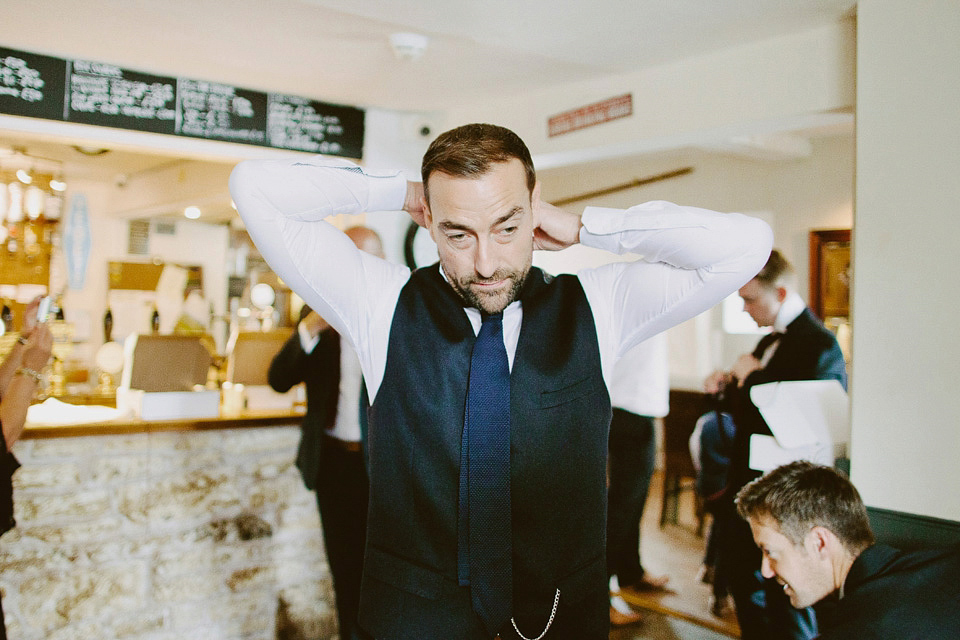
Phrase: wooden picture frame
{"type": "Point", "coordinates": [830, 273]}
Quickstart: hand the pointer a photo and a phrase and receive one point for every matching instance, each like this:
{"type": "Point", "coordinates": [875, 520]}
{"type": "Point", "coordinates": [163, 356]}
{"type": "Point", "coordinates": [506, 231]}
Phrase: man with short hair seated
{"type": "Point", "coordinates": [815, 537]}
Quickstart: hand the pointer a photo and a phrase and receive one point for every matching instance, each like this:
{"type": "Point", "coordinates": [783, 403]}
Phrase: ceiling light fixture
{"type": "Point", "coordinates": [58, 185]}
{"type": "Point", "coordinates": [23, 176]}
{"type": "Point", "coordinates": [192, 212]}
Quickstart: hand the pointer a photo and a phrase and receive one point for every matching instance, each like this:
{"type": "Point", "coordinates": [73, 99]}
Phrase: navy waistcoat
{"type": "Point", "coordinates": [560, 416]}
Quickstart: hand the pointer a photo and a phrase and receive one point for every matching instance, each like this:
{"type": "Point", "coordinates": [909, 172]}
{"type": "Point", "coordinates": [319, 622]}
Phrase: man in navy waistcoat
{"type": "Point", "coordinates": [414, 333]}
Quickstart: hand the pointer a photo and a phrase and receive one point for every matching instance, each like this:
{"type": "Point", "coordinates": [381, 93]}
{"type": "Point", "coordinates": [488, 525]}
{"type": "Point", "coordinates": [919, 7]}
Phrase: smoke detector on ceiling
{"type": "Point", "coordinates": [408, 46]}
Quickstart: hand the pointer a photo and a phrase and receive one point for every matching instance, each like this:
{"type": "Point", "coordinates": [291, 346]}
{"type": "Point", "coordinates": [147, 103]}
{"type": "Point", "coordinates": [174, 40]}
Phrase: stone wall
{"type": "Point", "coordinates": [203, 535]}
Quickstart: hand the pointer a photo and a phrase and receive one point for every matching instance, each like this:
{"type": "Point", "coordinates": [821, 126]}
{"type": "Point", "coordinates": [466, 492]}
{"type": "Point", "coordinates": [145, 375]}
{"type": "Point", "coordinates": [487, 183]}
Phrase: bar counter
{"type": "Point", "coordinates": [244, 419]}
{"type": "Point", "coordinates": [163, 530]}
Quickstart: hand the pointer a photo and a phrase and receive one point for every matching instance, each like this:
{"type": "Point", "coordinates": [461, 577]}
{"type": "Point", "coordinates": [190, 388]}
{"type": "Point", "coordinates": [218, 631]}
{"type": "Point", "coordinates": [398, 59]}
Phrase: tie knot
{"type": "Point", "coordinates": [485, 317]}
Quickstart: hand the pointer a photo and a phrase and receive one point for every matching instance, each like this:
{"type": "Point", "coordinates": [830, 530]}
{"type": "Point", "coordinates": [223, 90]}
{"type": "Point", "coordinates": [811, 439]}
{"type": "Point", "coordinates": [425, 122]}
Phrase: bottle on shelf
{"type": "Point", "coordinates": [108, 325]}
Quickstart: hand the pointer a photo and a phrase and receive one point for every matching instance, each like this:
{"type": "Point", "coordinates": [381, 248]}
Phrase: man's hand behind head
{"type": "Point", "coordinates": [558, 229]}
{"type": "Point", "coordinates": [414, 201]}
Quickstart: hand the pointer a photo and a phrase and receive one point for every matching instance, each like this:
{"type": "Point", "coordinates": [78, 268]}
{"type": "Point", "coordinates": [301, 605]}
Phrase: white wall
{"type": "Point", "coordinates": [905, 434]}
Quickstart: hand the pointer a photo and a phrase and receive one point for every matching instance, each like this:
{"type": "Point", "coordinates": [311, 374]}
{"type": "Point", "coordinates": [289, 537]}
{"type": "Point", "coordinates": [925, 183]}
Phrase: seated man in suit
{"type": "Point", "coordinates": [813, 531]}
{"type": "Point", "coordinates": [799, 348]}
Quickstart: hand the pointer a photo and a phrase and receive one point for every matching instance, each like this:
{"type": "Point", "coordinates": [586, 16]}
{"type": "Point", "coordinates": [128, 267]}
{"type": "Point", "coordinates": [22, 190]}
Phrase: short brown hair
{"type": "Point", "coordinates": [802, 495]}
{"type": "Point", "coordinates": [469, 150]}
{"type": "Point", "coordinates": [777, 272]}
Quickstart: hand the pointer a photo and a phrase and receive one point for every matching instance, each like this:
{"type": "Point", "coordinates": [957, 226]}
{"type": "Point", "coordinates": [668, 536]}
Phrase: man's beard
{"type": "Point", "coordinates": [490, 303]}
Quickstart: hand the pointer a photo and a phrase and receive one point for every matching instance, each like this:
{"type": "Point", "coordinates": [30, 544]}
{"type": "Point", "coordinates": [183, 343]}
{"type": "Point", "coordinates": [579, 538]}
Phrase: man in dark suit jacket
{"type": "Point", "coordinates": [800, 348]}
{"type": "Point", "coordinates": [330, 456]}
{"type": "Point", "coordinates": [814, 534]}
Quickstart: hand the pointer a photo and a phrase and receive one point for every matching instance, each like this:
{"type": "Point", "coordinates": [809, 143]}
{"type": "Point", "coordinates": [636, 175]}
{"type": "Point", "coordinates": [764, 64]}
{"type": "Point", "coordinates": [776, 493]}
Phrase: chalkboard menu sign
{"type": "Point", "coordinates": [31, 84]}
{"type": "Point", "coordinates": [107, 95]}
{"type": "Point", "coordinates": [221, 112]}
{"type": "Point", "coordinates": [306, 125]}
{"type": "Point", "coordinates": [102, 94]}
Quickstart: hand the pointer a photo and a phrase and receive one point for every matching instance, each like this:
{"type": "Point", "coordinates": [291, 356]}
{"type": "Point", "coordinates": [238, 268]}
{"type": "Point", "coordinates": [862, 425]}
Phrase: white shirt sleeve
{"type": "Point", "coordinates": [283, 204]}
{"type": "Point", "coordinates": [641, 379]}
{"type": "Point", "coordinates": [691, 259]}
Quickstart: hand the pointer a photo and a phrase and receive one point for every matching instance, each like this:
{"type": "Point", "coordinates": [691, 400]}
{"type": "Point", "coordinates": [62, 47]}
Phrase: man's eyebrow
{"type": "Point", "coordinates": [513, 212]}
{"type": "Point", "coordinates": [447, 225]}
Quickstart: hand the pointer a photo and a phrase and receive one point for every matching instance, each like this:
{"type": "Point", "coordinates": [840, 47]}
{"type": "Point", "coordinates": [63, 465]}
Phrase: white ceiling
{"type": "Point", "coordinates": [338, 50]}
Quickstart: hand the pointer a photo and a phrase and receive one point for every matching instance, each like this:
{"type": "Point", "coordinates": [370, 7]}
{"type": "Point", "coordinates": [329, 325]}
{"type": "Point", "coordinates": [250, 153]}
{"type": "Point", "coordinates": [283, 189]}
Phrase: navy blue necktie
{"type": "Point", "coordinates": [485, 544]}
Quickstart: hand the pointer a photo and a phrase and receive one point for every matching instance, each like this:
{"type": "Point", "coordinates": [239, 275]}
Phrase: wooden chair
{"type": "Point", "coordinates": [679, 474]}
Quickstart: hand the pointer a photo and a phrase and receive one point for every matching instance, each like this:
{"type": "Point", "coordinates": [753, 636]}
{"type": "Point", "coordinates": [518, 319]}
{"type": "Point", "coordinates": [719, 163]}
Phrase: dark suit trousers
{"type": "Point", "coordinates": [342, 496]}
{"type": "Point", "coordinates": [631, 460]}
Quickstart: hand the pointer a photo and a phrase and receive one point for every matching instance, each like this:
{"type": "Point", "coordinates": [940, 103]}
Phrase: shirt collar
{"type": "Point", "coordinates": [790, 310]}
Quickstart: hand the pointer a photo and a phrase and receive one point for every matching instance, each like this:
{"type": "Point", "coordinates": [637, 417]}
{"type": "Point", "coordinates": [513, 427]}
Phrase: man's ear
{"type": "Point", "coordinates": [427, 216]}
{"type": "Point", "coordinates": [535, 204]}
{"type": "Point", "coordinates": [781, 294]}
{"type": "Point", "coordinates": [820, 541]}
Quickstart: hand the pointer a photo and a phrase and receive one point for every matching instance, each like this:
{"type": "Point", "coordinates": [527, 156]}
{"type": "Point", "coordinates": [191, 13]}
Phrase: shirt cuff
{"type": "Point", "coordinates": [603, 227]}
{"type": "Point", "coordinates": [307, 343]}
{"type": "Point", "coordinates": [387, 193]}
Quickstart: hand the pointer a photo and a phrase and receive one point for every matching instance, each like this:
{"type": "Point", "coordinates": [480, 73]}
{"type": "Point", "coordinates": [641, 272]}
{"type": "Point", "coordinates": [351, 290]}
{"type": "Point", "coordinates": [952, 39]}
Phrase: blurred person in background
{"type": "Point", "coordinates": [640, 394]}
{"type": "Point", "coordinates": [19, 377]}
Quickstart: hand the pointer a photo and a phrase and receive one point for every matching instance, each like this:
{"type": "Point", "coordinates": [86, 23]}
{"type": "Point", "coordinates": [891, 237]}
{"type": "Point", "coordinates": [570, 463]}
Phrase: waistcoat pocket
{"type": "Point", "coordinates": [571, 392]}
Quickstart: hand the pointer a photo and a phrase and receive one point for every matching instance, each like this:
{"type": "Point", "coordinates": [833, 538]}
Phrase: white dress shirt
{"type": "Point", "coordinates": [790, 309]}
{"type": "Point", "coordinates": [641, 379]}
{"type": "Point", "coordinates": [346, 425]}
{"type": "Point", "coordinates": [692, 258]}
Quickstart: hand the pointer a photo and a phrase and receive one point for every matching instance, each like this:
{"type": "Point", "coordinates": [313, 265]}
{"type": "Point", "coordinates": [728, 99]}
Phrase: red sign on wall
{"type": "Point", "coordinates": [597, 113]}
